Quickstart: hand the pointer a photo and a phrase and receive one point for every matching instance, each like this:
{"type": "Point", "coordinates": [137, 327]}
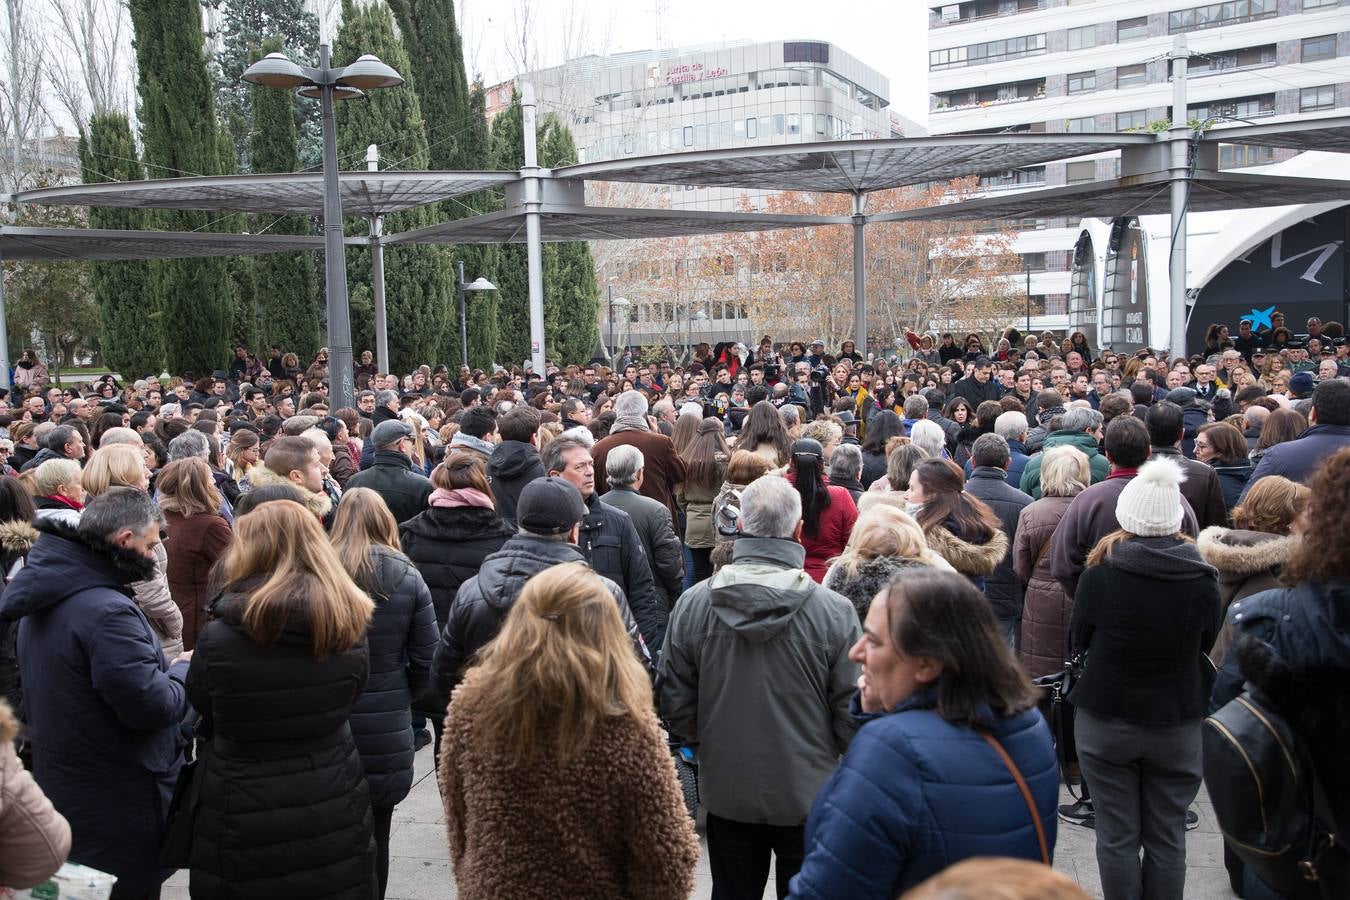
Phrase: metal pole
{"type": "Point", "coordinates": [463, 315]}
{"type": "Point", "coordinates": [1180, 134]}
{"type": "Point", "coordinates": [1027, 265]}
{"type": "Point", "coordinates": [4, 332]}
{"type": "Point", "coordinates": [532, 189]}
{"type": "Point", "coordinates": [377, 274]}
{"type": "Point", "coordinates": [611, 324]}
{"type": "Point", "coordinates": [334, 258]}
{"type": "Point", "coordinates": [859, 274]}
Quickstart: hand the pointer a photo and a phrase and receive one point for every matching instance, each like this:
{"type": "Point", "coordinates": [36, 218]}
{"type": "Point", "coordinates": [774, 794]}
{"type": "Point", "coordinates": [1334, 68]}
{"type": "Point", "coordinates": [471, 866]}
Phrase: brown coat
{"type": "Point", "coordinates": [194, 543]}
{"type": "Point", "coordinates": [663, 468]}
{"type": "Point", "coordinates": [1044, 644]}
{"type": "Point", "coordinates": [34, 837]}
{"type": "Point", "coordinates": [610, 824]}
{"type": "Point", "coordinates": [1248, 563]}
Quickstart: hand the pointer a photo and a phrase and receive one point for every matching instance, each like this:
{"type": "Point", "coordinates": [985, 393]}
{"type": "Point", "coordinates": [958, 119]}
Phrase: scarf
{"type": "Point", "coordinates": [629, 423]}
{"type": "Point", "coordinates": [459, 497]}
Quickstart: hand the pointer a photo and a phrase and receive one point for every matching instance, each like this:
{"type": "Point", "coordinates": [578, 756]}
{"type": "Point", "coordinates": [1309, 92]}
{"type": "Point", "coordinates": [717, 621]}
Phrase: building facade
{"type": "Point", "coordinates": [1076, 66]}
{"type": "Point", "coordinates": [725, 96]}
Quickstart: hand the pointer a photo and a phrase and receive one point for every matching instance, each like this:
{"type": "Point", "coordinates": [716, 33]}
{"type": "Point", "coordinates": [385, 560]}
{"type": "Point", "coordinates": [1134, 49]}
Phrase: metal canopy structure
{"type": "Point", "coordinates": [853, 167]}
{"type": "Point", "coordinates": [1137, 195]}
{"type": "Point", "coordinates": [364, 194]}
{"type": "Point", "coordinates": [592, 223]}
{"type": "Point", "coordinates": [1329, 133]}
{"type": "Point", "coordinates": [69, 244]}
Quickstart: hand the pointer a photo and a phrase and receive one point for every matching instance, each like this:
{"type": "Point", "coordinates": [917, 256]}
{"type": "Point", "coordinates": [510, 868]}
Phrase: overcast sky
{"type": "Point", "coordinates": [888, 35]}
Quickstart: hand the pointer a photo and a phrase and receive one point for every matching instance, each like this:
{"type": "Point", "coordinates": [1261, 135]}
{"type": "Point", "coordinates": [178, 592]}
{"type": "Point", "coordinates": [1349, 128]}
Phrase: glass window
{"type": "Point", "coordinates": [1081, 82]}
{"type": "Point", "coordinates": [1318, 4]}
{"type": "Point", "coordinates": [629, 143]}
{"type": "Point", "coordinates": [681, 137]}
{"type": "Point", "coordinates": [1320, 47]}
{"type": "Point", "coordinates": [1237, 156]}
{"type": "Point", "coordinates": [1237, 108]}
{"type": "Point", "coordinates": [1245, 58]}
{"type": "Point", "coordinates": [1082, 38]}
{"type": "Point", "coordinates": [1214, 15]}
{"type": "Point", "coordinates": [778, 128]}
{"type": "Point", "coordinates": [749, 128]}
{"type": "Point", "coordinates": [689, 135]}
{"type": "Point", "coordinates": [700, 135]}
{"type": "Point", "coordinates": [1136, 118]}
{"type": "Point", "coordinates": [806, 51]}
{"type": "Point", "coordinates": [1079, 172]}
{"type": "Point", "coordinates": [739, 126]}
{"type": "Point", "coordinates": [1085, 125]}
{"type": "Point", "coordinates": [1312, 99]}
{"type": "Point", "coordinates": [820, 124]}
{"type": "Point", "coordinates": [765, 128]}
{"type": "Point", "coordinates": [1132, 29]}
{"type": "Point", "coordinates": [794, 123]}
{"type": "Point", "coordinates": [1128, 76]}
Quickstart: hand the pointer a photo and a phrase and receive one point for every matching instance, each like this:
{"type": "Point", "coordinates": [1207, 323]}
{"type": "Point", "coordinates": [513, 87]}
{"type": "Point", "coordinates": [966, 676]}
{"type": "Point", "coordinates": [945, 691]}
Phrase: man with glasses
{"type": "Point", "coordinates": [1205, 386]}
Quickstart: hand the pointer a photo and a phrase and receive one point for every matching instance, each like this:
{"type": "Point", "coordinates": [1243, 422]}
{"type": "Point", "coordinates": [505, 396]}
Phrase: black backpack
{"type": "Point", "coordinates": [1267, 797]}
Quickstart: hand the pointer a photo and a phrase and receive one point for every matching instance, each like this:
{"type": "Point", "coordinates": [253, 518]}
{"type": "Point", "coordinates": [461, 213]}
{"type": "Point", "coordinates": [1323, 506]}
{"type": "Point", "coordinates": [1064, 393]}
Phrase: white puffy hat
{"type": "Point", "coordinates": [1150, 505]}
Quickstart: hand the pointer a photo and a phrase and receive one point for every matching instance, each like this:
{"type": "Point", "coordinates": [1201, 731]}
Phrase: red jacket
{"type": "Point", "coordinates": [836, 524]}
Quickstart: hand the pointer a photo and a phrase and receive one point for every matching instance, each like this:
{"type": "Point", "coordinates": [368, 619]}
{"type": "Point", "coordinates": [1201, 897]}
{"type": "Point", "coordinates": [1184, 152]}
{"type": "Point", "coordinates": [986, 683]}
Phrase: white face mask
{"type": "Point", "coordinates": [913, 508]}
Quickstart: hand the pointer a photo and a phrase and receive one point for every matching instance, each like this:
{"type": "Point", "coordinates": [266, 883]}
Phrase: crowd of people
{"type": "Point", "coordinates": [824, 582]}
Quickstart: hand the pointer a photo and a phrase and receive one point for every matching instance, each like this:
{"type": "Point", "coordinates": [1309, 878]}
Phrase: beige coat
{"type": "Point", "coordinates": [34, 837]}
{"type": "Point", "coordinates": [609, 824]}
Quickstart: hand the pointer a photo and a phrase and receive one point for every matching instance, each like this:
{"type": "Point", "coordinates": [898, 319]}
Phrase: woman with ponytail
{"type": "Point", "coordinates": [828, 511]}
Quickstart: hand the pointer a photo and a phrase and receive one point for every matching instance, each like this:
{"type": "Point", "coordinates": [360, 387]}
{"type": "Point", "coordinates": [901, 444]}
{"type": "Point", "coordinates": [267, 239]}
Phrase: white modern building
{"type": "Point", "coordinates": [1101, 65]}
{"type": "Point", "coordinates": [724, 96]}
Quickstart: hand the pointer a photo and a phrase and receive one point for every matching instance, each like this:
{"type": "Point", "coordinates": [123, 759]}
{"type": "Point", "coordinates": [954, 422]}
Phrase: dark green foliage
{"type": "Point", "coordinates": [287, 283]}
{"type": "Point", "coordinates": [419, 283]}
{"type": "Point", "coordinates": [513, 292]}
{"type": "Point", "coordinates": [479, 259]}
{"type": "Point", "coordinates": [244, 26]}
{"type": "Point", "coordinates": [124, 292]}
{"type": "Point", "coordinates": [180, 138]}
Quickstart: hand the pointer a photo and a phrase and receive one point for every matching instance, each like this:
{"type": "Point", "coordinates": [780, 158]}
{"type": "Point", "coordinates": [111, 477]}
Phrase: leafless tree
{"type": "Point", "coordinates": [92, 75]}
{"type": "Point", "coordinates": [22, 113]}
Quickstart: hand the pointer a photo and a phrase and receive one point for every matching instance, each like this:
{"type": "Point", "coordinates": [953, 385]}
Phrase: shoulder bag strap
{"type": "Point", "coordinates": [1026, 792]}
{"type": "Point", "coordinates": [1045, 548]}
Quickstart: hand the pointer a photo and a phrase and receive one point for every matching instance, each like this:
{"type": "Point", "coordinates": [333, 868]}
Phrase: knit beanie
{"type": "Point", "coordinates": [1150, 505]}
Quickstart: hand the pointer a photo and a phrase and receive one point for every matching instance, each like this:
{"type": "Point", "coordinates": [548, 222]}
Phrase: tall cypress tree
{"type": "Point", "coordinates": [513, 292]}
{"type": "Point", "coordinates": [571, 295]}
{"type": "Point", "coordinates": [419, 284]}
{"type": "Point", "coordinates": [288, 282]}
{"type": "Point", "coordinates": [480, 259]}
{"type": "Point", "coordinates": [180, 138]}
{"type": "Point", "coordinates": [129, 311]}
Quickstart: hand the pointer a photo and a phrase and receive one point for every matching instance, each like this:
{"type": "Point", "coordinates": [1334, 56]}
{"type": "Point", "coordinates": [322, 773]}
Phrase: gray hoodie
{"type": "Point", "coordinates": [755, 670]}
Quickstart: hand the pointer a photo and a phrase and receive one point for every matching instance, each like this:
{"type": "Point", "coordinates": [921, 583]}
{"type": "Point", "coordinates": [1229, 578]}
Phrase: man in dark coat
{"type": "Point", "coordinates": [550, 513]}
{"type": "Point", "coordinates": [404, 491]}
{"type": "Point", "coordinates": [1329, 432]}
{"type": "Point", "coordinates": [515, 460]}
{"type": "Point", "coordinates": [102, 704]}
{"type": "Point", "coordinates": [386, 410]}
{"type": "Point", "coordinates": [1202, 488]}
{"type": "Point", "coordinates": [989, 482]}
{"type": "Point", "coordinates": [664, 467]}
{"type": "Point", "coordinates": [979, 385]}
{"type": "Point", "coordinates": [665, 555]}
{"type": "Point", "coordinates": [608, 539]}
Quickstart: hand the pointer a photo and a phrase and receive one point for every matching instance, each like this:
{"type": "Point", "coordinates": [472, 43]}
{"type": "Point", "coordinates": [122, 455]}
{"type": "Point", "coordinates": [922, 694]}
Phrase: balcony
{"type": "Point", "coordinates": [942, 15]}
{"type": "Point", "coordinates": [989, 95]}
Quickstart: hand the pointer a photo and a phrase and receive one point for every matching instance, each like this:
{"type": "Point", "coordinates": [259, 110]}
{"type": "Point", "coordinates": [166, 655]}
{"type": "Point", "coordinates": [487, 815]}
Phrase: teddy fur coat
{"type": "Point", "coordinates": [609, 824]}
{"type": "Point", "coordinates": [1248, 563]}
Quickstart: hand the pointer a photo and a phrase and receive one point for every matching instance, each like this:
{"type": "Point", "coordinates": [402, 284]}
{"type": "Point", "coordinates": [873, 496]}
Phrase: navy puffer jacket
{"type": "Point", "coordinates": [402, 639]}
{"type": "Point", "coordinates": [915, 793]}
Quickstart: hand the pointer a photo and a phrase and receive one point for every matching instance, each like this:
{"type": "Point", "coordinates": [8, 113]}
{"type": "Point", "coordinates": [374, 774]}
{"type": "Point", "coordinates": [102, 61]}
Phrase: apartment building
{"type": "Point", "coordinates": [1077, 66]}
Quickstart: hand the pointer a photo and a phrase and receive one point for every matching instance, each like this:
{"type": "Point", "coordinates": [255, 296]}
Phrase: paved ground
{"type": "Point", "coordinates": [419, 867]}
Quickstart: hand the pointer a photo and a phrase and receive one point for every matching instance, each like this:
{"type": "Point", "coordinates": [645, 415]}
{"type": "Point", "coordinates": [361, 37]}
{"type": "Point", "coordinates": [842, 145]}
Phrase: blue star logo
{"type": "Point", "coordinates": [1260, 317]}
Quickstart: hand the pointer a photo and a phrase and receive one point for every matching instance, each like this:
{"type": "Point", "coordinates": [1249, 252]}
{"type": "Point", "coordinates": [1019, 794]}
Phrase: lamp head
{"type": "Point", "coordinates": [368, 73]}
{"type": "Point", "coordinates": [275, 71]}
{"type": "Point", "coordinates": [340, 92]}
{"type": "Point", "coordinates": [480, 284]}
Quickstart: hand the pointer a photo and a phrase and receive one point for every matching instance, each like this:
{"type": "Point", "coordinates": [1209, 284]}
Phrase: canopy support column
{"type": "Point", "coordinates": [1180, 137]}
{"type": "Point", "coordinates": [859, 273]}
{"type": "Point", "coordinates": [532, 194]}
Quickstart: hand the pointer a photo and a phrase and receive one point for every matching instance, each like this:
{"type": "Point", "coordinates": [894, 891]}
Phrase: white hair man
{"type": "Point", "coordinates": [625, 469]}
{"type": "Point", "coordinates": [722, 678]}
{"type": "Point", "coordinates": [632, 426]}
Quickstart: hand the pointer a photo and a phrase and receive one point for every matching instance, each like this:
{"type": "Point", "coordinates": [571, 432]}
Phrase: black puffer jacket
{"type": "Point", "coordinates": [483, 601]}
{"type": "Point", "coordinates": [402, 638]}
{"type": "Point", "coordinates": [284, 808]}
{"type": "Point", "coordinates": [513, 465]}
{"type": "Point", "coordinates": [610, 543]}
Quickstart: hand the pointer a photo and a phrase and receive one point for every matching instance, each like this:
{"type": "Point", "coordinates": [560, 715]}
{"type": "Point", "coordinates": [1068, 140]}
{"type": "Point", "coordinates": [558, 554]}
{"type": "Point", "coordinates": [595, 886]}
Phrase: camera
{"type": "Point", "coordinates": [819, 374]}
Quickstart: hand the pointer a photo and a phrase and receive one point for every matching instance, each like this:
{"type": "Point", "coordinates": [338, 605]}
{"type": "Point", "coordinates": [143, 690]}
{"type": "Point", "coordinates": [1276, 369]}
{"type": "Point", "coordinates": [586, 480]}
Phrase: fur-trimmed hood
{"type": "Point", "coordinates": [1235, 552]}
{"type": "Point", "coordinates": [317, 503]}
{"type": "Point", "coordinates": [17, 537]}
{"type": "Point", "coordinates": [974, 560]}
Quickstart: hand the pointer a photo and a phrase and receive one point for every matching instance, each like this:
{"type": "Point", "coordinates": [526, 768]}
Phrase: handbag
{"type": "Point", "coordinates": [175, 844]}
{"type": "Point", "coordinates": [1060, 712]}
{"type": "Point", "coordinates": [1026, 792]}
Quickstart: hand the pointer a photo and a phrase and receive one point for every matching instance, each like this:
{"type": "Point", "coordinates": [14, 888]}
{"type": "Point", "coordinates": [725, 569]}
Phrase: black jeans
{"type": "Point", "coordinates": [739, 853]}
{"type": "Point", "coordinates": [702, 557]}
{"type": "Point", "coordinates": [383, 817]}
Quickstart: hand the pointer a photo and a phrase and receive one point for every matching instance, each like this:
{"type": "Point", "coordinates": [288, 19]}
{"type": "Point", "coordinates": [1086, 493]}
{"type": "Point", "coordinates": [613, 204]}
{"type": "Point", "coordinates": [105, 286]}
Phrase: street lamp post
{"type": "Point", "coordinates": [1027, 266]}
{"type": "Point", "coordinates": [620, 303]}
{"type": "Point", "coordinates": [478, 284]}
{"type": "Point", "coordinates": [327, 83]}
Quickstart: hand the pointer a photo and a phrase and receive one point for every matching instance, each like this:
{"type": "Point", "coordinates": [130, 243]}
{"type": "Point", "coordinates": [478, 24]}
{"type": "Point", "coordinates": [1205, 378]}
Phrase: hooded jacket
{"type": "Point", "coordinates": [481, 605]}
{"type": "Point", "coordinates": [104, 723]}
{"type": "Point", "coordinates": [1097, 463]}
{"type": "Point", "coordinates": [975, 561]}
{"type": "Point", "coordinates": [1146, 616]}
{"type": "Point", "coordinates": [39, 458]}
{"type": "Point", "coordinates": [401, 637]}
{"type": "Point", "coordinates": [316, 502]}
{"type": "Point", "coordinates": [34, 838]}
{"type": "Point", "coordinates": [755, 670]}
{"type": "Point", "coordinates": [392, 477]}
{"type": "Point", "coordinates": [513, 465]}
{"type": "Point", "coordinates": [901, 806]}
{"type": "Point", "coordinates": [1248, 563]}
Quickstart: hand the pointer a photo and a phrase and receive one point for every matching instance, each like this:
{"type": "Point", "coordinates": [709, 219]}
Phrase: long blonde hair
{"type": "Point", "coordinates": [363, 520]}
{"type": "Point", "coordinates": [282, 544]}
{"type": "Point", "coordinates": [561, 665]}
{"type": "Point", "coordinates": [113, 465]}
